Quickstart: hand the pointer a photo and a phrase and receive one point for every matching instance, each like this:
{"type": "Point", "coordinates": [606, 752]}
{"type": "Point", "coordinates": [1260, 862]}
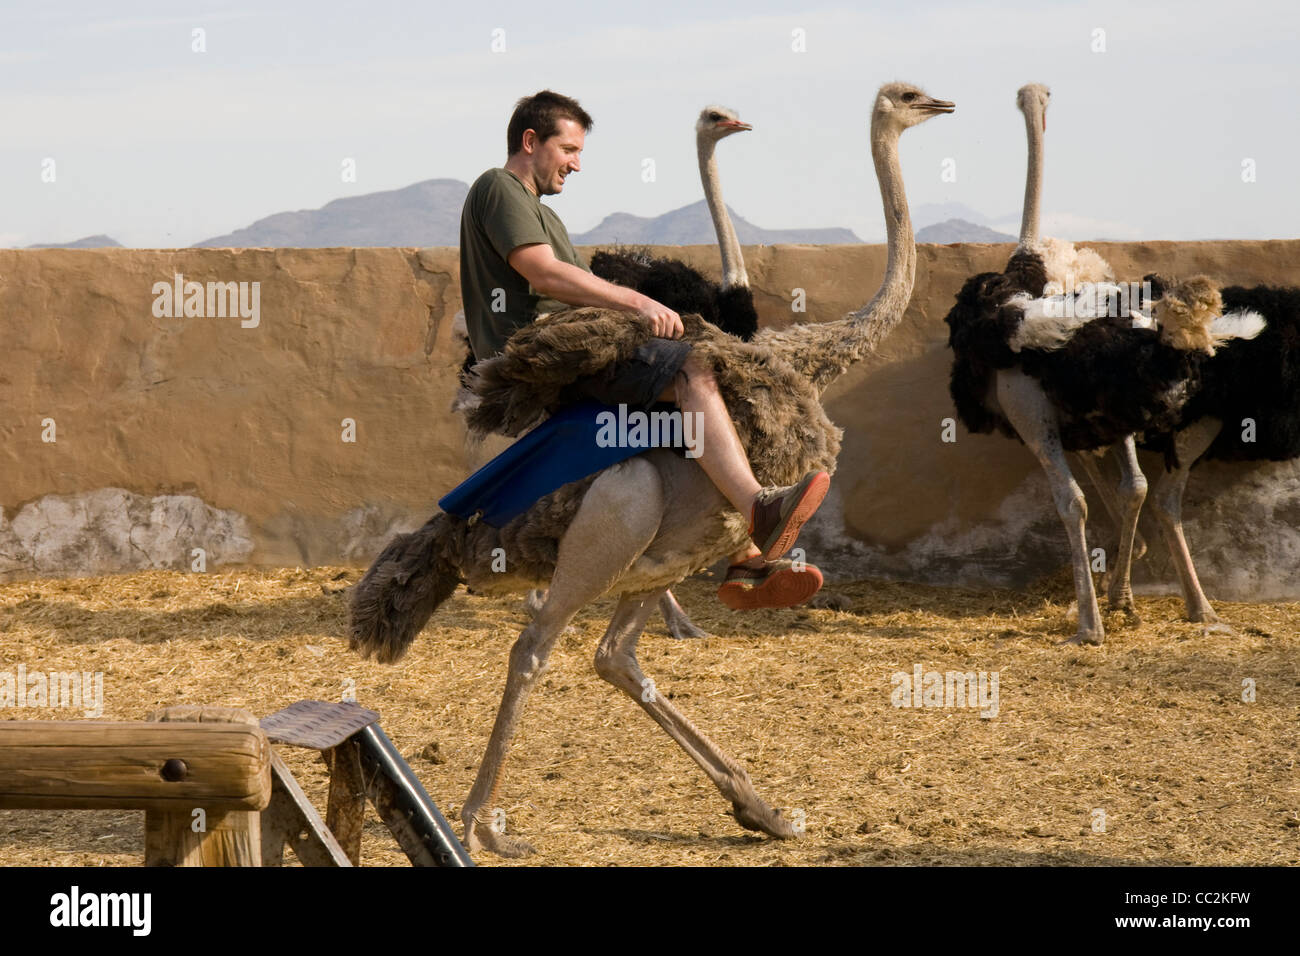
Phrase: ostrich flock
{"type": "Point", "coordinates": [1052, 351]}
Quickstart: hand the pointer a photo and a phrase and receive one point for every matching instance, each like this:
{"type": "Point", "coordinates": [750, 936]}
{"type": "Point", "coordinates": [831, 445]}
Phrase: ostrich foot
{"type": "Point", "coordinates": [1213, 623]}
{"type": "Point", "coordinates": [684, 629]}
{"type": "Point", "coordinates": [1084, 636]}
{"type": "Point", "coordinates": [485, 838]}
{"type": "Point", "coordinates": [831, 602]}
{"type": "Point", "coordinates": [764, 819]}
{"type": "Point", "coordinates": [679, 623]}
{"type": "Point", "coordinates": [1128, 609]}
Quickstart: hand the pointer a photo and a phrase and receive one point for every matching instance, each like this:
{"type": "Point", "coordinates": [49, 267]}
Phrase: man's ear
{"type": "Point", "coordinates": [529, 141]}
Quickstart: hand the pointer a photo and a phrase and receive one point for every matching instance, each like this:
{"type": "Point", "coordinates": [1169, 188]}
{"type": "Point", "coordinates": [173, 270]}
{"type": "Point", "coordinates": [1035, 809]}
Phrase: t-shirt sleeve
{"type": "Point", "coordinates": [508, 221]}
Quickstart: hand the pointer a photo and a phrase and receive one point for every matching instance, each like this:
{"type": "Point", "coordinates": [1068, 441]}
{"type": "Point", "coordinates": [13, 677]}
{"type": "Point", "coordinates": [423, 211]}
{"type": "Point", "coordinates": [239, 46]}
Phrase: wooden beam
{"type": "Point", "coordinates": [197, 836]}
{"type": "Point", "coordinates": [87, 765]}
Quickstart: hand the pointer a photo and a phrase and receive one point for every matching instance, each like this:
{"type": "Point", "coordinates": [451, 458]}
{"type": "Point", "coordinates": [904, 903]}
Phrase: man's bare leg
{"type": "Point", "coordinates": [722, 456]}
{"type": "Point", "coordinates": [752, 581]}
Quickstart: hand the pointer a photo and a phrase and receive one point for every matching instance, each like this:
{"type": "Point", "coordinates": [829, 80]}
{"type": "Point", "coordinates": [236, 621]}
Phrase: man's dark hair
{"type": "Point", "coordinates": [542, 112]}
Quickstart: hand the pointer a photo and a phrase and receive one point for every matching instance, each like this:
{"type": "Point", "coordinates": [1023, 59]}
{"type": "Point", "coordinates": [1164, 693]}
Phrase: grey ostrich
{"type": "Point", "coordinates": [640, 526]}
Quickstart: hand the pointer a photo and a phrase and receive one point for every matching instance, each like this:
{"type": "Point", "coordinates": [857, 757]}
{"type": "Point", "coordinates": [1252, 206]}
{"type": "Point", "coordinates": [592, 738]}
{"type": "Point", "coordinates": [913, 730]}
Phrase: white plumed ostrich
{"type": "Point", "coordinates": [1023, 366]}
{"type": "Point", "coordinates": [1253, 377]}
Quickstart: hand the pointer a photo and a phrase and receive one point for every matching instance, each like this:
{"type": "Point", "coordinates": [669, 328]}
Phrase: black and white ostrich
{"type": "Point", "coordinates": [1253, 380]}
{"type": "Point", "coordinates": [730, 304]}
{"type": "Point", "coordinates": [1071, 373]}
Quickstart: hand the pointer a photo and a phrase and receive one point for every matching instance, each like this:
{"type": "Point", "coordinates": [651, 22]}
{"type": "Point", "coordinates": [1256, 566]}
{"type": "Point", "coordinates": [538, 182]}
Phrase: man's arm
{"type": "Point", "coordinates": [569, 284]}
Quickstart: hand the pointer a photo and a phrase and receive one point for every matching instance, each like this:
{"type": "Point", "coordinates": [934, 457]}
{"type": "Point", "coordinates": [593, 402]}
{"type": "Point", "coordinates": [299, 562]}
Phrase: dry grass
{"type": "Point", "coordinates": [1150, 728]}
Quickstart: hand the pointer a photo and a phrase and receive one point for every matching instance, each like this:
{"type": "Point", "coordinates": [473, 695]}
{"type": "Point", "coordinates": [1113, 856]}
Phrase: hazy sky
{"type": "Point", "coordinates": [158, 145]}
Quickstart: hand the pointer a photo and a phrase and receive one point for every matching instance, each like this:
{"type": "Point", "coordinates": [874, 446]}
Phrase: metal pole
{"type": "Point", "coordinates": [423, 832]}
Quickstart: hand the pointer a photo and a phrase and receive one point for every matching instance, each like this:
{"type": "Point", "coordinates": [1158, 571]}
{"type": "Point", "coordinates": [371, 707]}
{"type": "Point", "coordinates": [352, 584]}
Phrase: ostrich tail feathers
{"type": "Point", "coordinates": [502, 404]}
{"type": "Point", "coordinates": [414, 574]}
{"type": "Point", "coordinates": [1243, 324]}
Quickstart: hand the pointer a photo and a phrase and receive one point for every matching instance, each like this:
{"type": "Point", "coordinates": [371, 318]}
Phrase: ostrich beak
{"type": "Point", "coordinates": [936, 106]}
{"type": "Point", "coordinates": [736, 125]}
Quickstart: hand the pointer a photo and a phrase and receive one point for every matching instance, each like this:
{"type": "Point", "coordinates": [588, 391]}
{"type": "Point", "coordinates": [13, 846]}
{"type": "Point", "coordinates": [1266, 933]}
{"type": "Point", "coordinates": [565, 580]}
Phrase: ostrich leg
{"type": "Point", "coordinates": [1132, 492]}
{"type": "Point", "coordinates": [1189, 444]}
{"type": "Point", "coordinates": [678, 622]}
{"type": "Point", "coordinates": [1034, 419]}
{"type": "Point", "coordinates": [617, 520]}
{"type": "Point", "coordinates": [1109, 500]}
{"type": "Point", "coordinates": [616, 662]}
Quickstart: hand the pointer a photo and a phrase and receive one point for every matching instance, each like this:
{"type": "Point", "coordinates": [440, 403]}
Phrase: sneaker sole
{"type": "Point", "coordinates": [803, 509]}
{"type": "Point", "coordinates": [784, 588]}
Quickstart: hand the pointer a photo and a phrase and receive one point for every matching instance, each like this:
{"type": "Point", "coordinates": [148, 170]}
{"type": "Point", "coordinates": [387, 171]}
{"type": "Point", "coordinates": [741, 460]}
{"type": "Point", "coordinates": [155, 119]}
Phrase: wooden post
{"type": "Point", "coordinates": [201, 836]}
{"type": "Point", "coordinates": [291, 819]}
{"type": "Point", "coordinates": [345, 814]}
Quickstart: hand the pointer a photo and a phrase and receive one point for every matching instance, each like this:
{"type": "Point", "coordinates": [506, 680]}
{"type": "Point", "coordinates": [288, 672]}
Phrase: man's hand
{"type": "Point", "coordinates": [666, 323]}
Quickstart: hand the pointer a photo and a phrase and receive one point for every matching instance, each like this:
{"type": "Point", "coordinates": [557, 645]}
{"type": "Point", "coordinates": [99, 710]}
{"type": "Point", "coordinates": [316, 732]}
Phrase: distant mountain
{"type": "Point", "coordinates": [424, 214]}
{"type": "Point", "coordinates": [930, 213]}
{"type": "Point", "coordinates": [428, 214]}
{"type": "Point", "coordinates": [959, 230]}
{"type": "Point", "coordinates": [89, 242]}
{"type": "Point", "coordinates": [692, 225]}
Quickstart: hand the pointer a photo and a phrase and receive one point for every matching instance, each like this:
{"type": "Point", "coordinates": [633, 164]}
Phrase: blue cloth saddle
{"type": "Point", "coordinates": [562, 449]}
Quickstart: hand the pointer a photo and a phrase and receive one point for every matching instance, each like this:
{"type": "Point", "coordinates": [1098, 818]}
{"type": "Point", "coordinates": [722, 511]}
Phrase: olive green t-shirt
{"type": "Point", "coordinates": [499, 216]}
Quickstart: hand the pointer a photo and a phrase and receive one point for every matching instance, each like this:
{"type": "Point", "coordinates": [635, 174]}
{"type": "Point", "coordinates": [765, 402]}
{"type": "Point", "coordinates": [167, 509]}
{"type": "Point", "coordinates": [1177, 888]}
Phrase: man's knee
{"type": "Point", "coordinates": [695, 376]}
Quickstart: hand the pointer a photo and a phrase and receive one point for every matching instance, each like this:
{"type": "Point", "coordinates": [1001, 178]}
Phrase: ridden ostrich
{"type": "Point", "coordinates": [644, 524]}
{"type": "Point", "coordinates": [729, 306]}
{"type": "Point", "coordinates": [1062, 375]}
{"type": "Point", "coordinates": [1255, 377]}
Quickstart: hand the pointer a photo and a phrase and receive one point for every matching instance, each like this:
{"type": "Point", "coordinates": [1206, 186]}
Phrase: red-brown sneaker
{"type": "Point", "coordinates": [776, 584]}
{"type": "Point", "coordinates": [779, 513]}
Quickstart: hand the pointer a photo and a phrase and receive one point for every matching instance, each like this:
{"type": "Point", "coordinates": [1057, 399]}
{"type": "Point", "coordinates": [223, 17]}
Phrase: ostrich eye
{"type": "Point", "coordinates": [716, 117]}
{"type": "Point", "coordinates": [908, 97]}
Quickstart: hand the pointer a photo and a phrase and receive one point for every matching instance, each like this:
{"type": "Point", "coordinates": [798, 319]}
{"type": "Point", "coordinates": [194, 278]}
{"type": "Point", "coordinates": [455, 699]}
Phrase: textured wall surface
{"type": "Point", "coordinates": [172, 434]}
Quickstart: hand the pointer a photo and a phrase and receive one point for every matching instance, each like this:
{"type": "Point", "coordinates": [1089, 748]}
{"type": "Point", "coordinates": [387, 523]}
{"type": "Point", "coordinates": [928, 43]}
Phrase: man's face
{"type": "Point", "coordinates": [552, 160]}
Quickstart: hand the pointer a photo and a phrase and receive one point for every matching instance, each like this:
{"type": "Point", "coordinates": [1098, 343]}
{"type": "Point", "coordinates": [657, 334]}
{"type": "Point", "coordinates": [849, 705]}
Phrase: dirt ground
{"type": "Point", "coordinates": [1142, 751]}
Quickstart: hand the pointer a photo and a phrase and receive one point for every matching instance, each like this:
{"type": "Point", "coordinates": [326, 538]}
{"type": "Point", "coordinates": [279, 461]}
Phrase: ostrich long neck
{"type": "Point", "coordinates": [1029, 217]}
{"type": "Point", "coordinates": [733, 263]}
{"type": "Point", "coordinates": [824, 351]}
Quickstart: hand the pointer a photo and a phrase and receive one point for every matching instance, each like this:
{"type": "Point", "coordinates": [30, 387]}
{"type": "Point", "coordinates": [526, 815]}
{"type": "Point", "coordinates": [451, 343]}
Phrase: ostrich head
{"type": "Point", "coordinates": [716, 122]}
{"type": "Point", "coordinates": [1034, 97]}
{"type": "Point", "coordinates": [901, 106]}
